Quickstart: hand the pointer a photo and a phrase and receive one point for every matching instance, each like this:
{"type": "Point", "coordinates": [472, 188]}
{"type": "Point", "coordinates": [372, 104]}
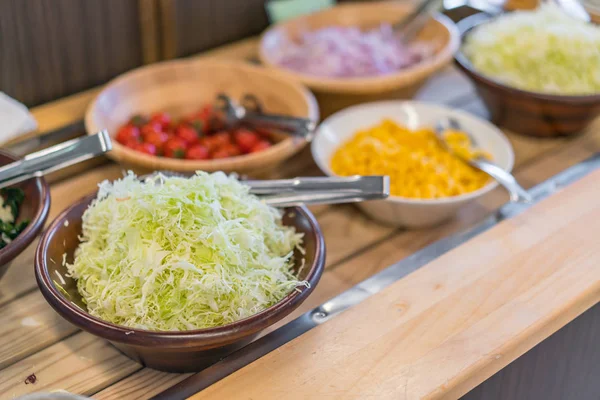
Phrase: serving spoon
{"type": "Point", "coordinates": [504, 178]}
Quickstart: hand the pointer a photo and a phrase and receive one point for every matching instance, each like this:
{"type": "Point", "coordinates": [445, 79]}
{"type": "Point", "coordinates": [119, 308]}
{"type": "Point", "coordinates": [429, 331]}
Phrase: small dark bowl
{"type": "Point", "coordinates": [35, 208]}
{"type": "Point", "coordinates": [185, 351]}
{"type": "Point", "coordinates": [528, 113]}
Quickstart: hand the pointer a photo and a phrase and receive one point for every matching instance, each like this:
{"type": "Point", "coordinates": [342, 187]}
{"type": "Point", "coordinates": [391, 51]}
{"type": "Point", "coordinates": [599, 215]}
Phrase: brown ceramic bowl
{"type": "Point", "coordinates": [181, 87]}
{"type": "Point", "coordinates": [166, 351]}
{"type": "Point", "coordinates": [529, 113]}
{"type": "Point", "coordinates": [35, 208]}
{"type": "Point", "coordinates": [334, 94]}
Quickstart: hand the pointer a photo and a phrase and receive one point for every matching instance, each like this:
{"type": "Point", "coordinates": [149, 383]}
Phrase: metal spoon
{"type": "Point", "coordinates": [517, 193]}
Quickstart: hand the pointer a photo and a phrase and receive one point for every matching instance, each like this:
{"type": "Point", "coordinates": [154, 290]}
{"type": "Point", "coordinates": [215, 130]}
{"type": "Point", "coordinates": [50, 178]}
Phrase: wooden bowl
{"type": "Point", "coordinates": [183, 86]}
{"type": "Point", "coordinates": [525, 112]}
{"type": "Point", "coordinates": [35, 208]}
{"type": "Point", "coordinates": [166, 351]}
{"type": "Point", "coordinates": [334, 94]}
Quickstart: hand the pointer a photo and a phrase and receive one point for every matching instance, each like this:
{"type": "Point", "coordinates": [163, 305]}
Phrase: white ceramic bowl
{"type": "Point", "coordinates": [400, 211]}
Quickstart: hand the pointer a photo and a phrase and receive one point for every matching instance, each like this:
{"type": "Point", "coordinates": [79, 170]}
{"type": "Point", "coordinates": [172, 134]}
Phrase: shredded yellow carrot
{"type": "Point", "coordinates": [415, 161]}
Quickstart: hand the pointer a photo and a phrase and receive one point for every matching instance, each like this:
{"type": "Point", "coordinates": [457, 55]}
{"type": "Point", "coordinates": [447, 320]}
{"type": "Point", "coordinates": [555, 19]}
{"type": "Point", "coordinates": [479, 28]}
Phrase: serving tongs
{"type": "Point", "coordinates": [250, 112]}
{"type": "Point", "coordinates": [409, 27]}
{"type": "Point", "coordinates": [54, 158]}
{"type": "Point", "coordinates": [320, 190]}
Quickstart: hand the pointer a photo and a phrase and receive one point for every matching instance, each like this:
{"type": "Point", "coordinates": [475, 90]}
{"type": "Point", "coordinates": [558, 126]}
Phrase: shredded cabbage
{"type": "Point", "coordinates": [543, 50]}
{"type": "Point", "coordinates": [175, 254]}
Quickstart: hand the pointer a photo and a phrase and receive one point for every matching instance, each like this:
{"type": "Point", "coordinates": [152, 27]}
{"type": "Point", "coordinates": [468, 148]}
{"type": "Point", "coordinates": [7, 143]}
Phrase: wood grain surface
{"type": "Point", "coordinates": [52, 48]}
{"type": "Point", "coordinates": [357, 251]}
{"type": "Point", "coordinates": [450, 325]}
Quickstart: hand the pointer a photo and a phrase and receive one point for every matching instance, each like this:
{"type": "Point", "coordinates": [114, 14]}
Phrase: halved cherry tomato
{"type": "Point", "coordinates": [187, 133]}
{"type": "Point", "coordinates": [157, 138]}
{"type": "Point", "coordinates": [197, 152]}
{"type": "Point", "coordinates": [161, 118]}
{"type": "Point", "coordinates": [175, 147]}
{"type": "Point", "coordinates": [147, 148]}
{"type": "Point", "coordinates": [227, 150]}
{"type": "Point", "coordinates": [127, 134]}
{"type": "Point", "coordinates": [221, 138]}
{"type": "Point", "coordinates": [246, 139]}
{"type": "Point", "coordinates": [150, 128]}
{"type": "Point", "coordinates": [260, 146]}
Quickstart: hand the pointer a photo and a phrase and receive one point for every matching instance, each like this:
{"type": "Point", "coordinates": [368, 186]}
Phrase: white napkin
{"type": "Point", "coordinates": [15, 119]}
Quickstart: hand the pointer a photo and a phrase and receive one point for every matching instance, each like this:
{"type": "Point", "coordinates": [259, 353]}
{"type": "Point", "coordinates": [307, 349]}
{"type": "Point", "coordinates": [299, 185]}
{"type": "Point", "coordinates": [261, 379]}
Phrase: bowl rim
{"type": "Point", "coordinates": [465, 27]}
{"type": "Point", "coordinates": [119, 152]}
{"type": "Point", "coordinates": [323, 166]}
{"type": "Point", "coordinates": [16, 247]}
{"type": "Point", "coordinates": [215, 336]}
{"type": "Point", "coordinates": [369, 84]}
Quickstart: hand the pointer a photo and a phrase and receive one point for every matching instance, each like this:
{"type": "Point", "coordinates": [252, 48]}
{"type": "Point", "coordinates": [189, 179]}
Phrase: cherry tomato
{"type": "Point", "coordinates": [147, 148]}
{"type": "Point", "coordinates": [197, 152]}
{"type": "Point", "coordinates": [246, 139]}
{"type": "Point", "coordinates": [175, 147]}
{"type": "Point", "coordinates": [132, 143]}
{"type": "Point", "coordinates": [128, 133]}
{"type": "Point", "coordinates": [226, 151]}
{"type": "Point", "coordinates": [221, 138]}
{"type": "Point", "coordinates": [187, 133]}
{"type": "Point", "coordinates": [232, 149]}
{"type": "Point", "coordinates": [260, 146]}
{"type": "Point", "coordinates": [157, 138]}
{"type": "Point", "coordinates": [161, 118]}
{"type": "Point", "coordinates": [221, 153]}
{"type": "Point", "coordinates": [151, 128]}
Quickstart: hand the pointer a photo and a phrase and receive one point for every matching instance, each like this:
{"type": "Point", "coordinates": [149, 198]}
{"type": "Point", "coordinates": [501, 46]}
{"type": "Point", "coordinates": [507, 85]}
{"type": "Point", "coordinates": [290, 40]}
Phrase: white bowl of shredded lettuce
{"type": "Point", "coordinates": [169, 258]}
{"type": "Point", "coordinates": [543, 50]}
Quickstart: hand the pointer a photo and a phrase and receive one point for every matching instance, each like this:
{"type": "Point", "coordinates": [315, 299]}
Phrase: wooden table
{"type": "Point", "coordinates": [35, 340]}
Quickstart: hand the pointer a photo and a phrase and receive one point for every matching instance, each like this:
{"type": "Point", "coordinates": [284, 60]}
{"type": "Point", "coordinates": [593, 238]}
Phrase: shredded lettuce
{"type": "Point", "coordinates": [543, 50]}
{"type": "Point", "coordinates": [175, 254]}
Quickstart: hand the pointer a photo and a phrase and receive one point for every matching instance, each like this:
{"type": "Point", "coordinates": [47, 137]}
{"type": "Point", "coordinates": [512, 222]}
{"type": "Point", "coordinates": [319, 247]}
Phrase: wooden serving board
{"type": "Point", "coordinates": [444, 329]}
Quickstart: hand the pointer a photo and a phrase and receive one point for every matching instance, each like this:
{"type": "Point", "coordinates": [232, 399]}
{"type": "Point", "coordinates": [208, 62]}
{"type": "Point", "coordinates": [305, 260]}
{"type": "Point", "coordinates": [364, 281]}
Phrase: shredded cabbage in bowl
{"type": "Point", "coordinates": [543, 50]}
{"type": "Point", "coordinates": [175, 254]}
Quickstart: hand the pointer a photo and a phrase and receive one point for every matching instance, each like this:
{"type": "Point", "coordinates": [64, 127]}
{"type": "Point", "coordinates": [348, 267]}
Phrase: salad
{"type": "Point", "coordinates": [11, 200]}
{"type": "Point", "coordinates": [543, 50]}
{"type": "Point", "coordinates": [199, 136]}
{"type": "Point", "coordinates": [174, 254]}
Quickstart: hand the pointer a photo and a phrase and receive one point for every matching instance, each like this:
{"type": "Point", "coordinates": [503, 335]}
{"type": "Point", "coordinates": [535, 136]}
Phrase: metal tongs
{"type": "Point", "coordinates": [410, 26]}
{"type": "Point", "coordinates": [249, 111]}
{"type": "Point", "coordinates": [322, 190]}
{"type": "Point", "coordinates": [54, 158]}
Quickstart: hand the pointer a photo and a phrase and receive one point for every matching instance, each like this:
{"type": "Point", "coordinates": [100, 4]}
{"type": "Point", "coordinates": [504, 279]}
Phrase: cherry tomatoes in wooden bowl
{"type": "Point", "coordinates": [160, 117]}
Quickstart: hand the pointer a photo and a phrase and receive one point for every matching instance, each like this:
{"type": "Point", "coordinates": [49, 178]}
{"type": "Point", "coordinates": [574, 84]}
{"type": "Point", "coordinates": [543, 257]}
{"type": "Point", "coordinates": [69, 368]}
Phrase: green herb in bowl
{"type": "Point", "coordinates": [10, 204]}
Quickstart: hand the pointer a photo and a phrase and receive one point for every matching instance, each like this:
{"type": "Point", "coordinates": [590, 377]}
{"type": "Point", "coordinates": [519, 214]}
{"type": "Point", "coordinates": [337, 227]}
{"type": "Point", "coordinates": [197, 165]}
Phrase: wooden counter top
{"type": "Point", "coordinates": [35, 340]}
{"type": "Point", "coordinates": [444, 329]}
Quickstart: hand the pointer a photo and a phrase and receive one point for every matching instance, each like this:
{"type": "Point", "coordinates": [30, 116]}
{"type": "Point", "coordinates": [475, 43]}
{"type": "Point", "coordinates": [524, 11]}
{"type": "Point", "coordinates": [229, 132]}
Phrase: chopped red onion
{"type": "Point", "coordinates": [349, 52]}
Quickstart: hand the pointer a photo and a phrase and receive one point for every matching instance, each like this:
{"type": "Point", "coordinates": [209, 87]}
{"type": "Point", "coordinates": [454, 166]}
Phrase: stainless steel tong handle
{"type": "Point", "coordinates": [322, 190]}
{"type": "Point", "coordinates": [235, 113]}
{"type": "Point", "coordinates": [410, 26]}
{"type": "Point", "coordinates": [55, 158]}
